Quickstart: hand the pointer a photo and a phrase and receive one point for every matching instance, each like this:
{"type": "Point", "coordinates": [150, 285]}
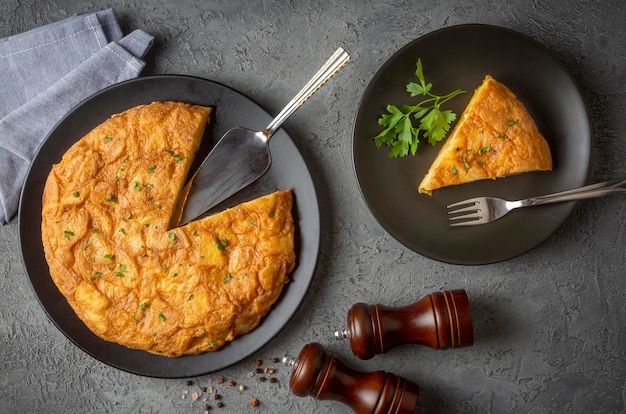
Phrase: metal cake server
{"type": "Point", "coordinates": [242, 155]}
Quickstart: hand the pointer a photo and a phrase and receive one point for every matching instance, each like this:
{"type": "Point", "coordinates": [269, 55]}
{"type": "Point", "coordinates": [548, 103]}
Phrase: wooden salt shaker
{"type": "Point", "coordinates": [322, 375]}
{"type": "Point", "coordinates": [440, 320]}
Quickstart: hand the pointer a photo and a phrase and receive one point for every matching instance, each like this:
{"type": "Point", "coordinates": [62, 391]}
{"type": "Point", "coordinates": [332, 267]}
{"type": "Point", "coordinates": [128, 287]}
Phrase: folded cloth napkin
{"type": "Point", "coordinates": [45, 73]}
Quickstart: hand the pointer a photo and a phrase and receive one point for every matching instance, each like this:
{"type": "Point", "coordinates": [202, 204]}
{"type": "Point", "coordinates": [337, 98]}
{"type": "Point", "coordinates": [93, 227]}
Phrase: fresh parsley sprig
{"type": "Point", "coordinates": [400, 135]}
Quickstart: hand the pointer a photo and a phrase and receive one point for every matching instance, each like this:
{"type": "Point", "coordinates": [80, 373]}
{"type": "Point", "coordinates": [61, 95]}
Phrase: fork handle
{"type": "Point", "coordinates": [596, 186]}
{"type": "Point", "coordinates": [570, 196]}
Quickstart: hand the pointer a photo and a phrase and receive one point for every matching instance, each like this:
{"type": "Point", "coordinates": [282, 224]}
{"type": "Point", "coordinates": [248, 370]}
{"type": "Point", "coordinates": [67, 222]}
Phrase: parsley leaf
{"type": "Point", "coordinates": [399, 133]}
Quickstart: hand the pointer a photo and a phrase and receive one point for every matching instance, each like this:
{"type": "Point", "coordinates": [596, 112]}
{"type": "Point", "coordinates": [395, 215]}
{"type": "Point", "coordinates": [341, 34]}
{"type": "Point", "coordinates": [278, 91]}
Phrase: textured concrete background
{"type": "Point", "coordinates": [549, 325]}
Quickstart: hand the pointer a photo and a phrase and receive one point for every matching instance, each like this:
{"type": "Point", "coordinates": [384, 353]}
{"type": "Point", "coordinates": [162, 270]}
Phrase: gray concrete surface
{"type": "Point", "coordinates": [549, 325]}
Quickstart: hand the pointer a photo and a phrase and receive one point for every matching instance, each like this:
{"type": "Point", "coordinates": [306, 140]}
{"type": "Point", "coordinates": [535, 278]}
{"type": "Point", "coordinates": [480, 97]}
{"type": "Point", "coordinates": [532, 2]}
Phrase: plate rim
{"type": "Point", "coordinates": [465, 26]}
{"type": "Point", "coordinates": [300, 288]}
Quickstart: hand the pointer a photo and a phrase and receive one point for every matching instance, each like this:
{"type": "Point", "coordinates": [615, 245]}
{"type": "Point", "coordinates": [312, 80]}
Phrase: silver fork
{"type": "Point", "coordinates": [481, 210]}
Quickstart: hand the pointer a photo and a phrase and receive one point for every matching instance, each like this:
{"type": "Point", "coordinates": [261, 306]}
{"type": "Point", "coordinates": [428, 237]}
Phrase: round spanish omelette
{"type": "Point", "coordinates": [133, 280]}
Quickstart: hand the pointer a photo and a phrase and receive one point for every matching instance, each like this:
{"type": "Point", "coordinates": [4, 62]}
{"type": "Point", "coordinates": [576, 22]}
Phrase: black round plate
{"type": "Point", "coordinates": [460, 57]}
{"type": "Point", "coordinates": [288, 170]}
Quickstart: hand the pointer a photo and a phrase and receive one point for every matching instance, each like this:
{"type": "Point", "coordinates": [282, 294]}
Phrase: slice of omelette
{"type": "Point", "coordinates": [495, 137]}
{"type": "Point", "coordinates": [130, 278]}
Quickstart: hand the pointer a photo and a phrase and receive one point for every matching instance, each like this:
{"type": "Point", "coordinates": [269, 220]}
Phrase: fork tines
{"type": "Point", "coordinates": [465, 213]}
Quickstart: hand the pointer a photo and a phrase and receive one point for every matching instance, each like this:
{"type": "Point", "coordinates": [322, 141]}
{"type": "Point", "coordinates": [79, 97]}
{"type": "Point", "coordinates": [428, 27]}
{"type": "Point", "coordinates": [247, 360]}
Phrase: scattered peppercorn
{"type": "Point", "coordinates": [220, 404]}
{"type": "Point", "coordinates": [260, 370]}
{"type": "Point", "coordinates": [217, 397]}
{"type": "Point", "coordinates": [207, 407]}
{"type": "Point", "coordinates": [189, 383]}
{"type": "Point", "coordinates": [273, 380]}
{"type": "Point", "coordinates": [232, 383]}
{"type": "Point", "coordinates": [203, 389]}
{"type": "Point", "coordinates": [220, 380]}
{"type": "Point", "coordinates": [262, 379]}
{"type": "Point", "coordinates": [259, 362]}
{"type": "Point", "coordinates": [275, 360]}
{"type": "Point", "coordinates": [255, 402]}
{"type": "Point", "coordinates": [242, 387]}
{"type": "Point", "coordinates": [271, 371]}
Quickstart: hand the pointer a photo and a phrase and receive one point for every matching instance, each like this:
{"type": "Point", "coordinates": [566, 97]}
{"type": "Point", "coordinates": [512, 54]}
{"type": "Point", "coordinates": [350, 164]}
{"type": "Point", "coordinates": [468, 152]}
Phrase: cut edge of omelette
{"type": "Point", "coordinates": [131, 279]}
{"type": "Point", "coordinates": [495, 137]}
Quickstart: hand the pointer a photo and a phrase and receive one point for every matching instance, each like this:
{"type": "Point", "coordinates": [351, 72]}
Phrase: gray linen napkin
{"type": "Point", "coordinates": [45, 73]}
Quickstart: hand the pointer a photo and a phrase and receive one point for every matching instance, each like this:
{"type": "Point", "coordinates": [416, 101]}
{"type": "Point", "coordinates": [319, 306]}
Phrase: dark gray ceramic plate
{"type": "Point", "coordinates": [460, 57]}
{"type": "Point", "coordinates": [232, 109]}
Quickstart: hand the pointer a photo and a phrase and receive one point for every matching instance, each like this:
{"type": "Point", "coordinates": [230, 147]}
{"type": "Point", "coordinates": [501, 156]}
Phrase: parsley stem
{"type": "Point", "coordinates": [449, 96]}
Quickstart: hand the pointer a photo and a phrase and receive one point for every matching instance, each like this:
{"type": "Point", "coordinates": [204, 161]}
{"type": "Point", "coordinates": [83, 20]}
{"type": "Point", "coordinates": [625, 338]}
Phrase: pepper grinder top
{"type": "Point", "coordinates": [440, 320]}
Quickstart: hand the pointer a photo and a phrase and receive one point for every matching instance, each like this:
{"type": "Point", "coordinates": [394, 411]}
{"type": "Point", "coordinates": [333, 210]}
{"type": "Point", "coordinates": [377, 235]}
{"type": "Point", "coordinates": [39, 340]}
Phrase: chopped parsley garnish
{"type": "Point", "coordinates": [502, 135]}
{"type": "Point", "coordinates": [109, 256]}
{"type": "Point", "coordinates": [465, 163]}
{"type": "Point", "coordinates": [228, 277]}
{"type": "Point", "coordinates": [111, 199]}
{"type": "Point", "coordinates": [511, 122]}
{"type": "Point", "coordinates": [484, 149]}
{"type": "Point", "coordinates": [137, 186]}
{"type": "Point", "coordinates": [161, 317]}
{"type": "Point", "coordinates": [190, 297]}
{"type": "Point", "coordinates": [272, 213]}
{"type": "Point", "coordinates": [67, 234]}
{"type": "Point", "coordinates": [151, 169]}
{"type": "Point", "coordinates": [454, 170]}
{"type": "Point", "coordinates": [177, 157]}
{"type": "Point", "coordinates": [108, 139]}
{"type": "Point", "coordinates": [123, 230]}
{"type": "Point", "coordinates": [96, 275]}
{"type": "Point", "coordinates": [76, 194]}
{"type": "Point", "coordinates": [221, 244]}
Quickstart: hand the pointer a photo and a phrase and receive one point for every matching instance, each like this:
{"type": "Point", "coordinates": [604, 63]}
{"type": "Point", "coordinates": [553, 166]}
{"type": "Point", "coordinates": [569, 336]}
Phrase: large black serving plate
{"type": "Point", "coordinates": [231, 109]}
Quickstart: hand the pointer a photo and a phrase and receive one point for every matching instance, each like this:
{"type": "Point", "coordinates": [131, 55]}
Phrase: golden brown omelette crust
{"type": "Point", "coordinates": [495, 137]}
{"type": "Point", "coordinates": [106, 210]}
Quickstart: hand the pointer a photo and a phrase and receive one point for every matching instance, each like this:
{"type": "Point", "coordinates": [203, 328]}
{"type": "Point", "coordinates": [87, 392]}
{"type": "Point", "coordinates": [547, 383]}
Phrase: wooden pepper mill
{"type": "Point", "coordinates": [440, 320]}
{"type": "Point", "coordinates": [322, 375]}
